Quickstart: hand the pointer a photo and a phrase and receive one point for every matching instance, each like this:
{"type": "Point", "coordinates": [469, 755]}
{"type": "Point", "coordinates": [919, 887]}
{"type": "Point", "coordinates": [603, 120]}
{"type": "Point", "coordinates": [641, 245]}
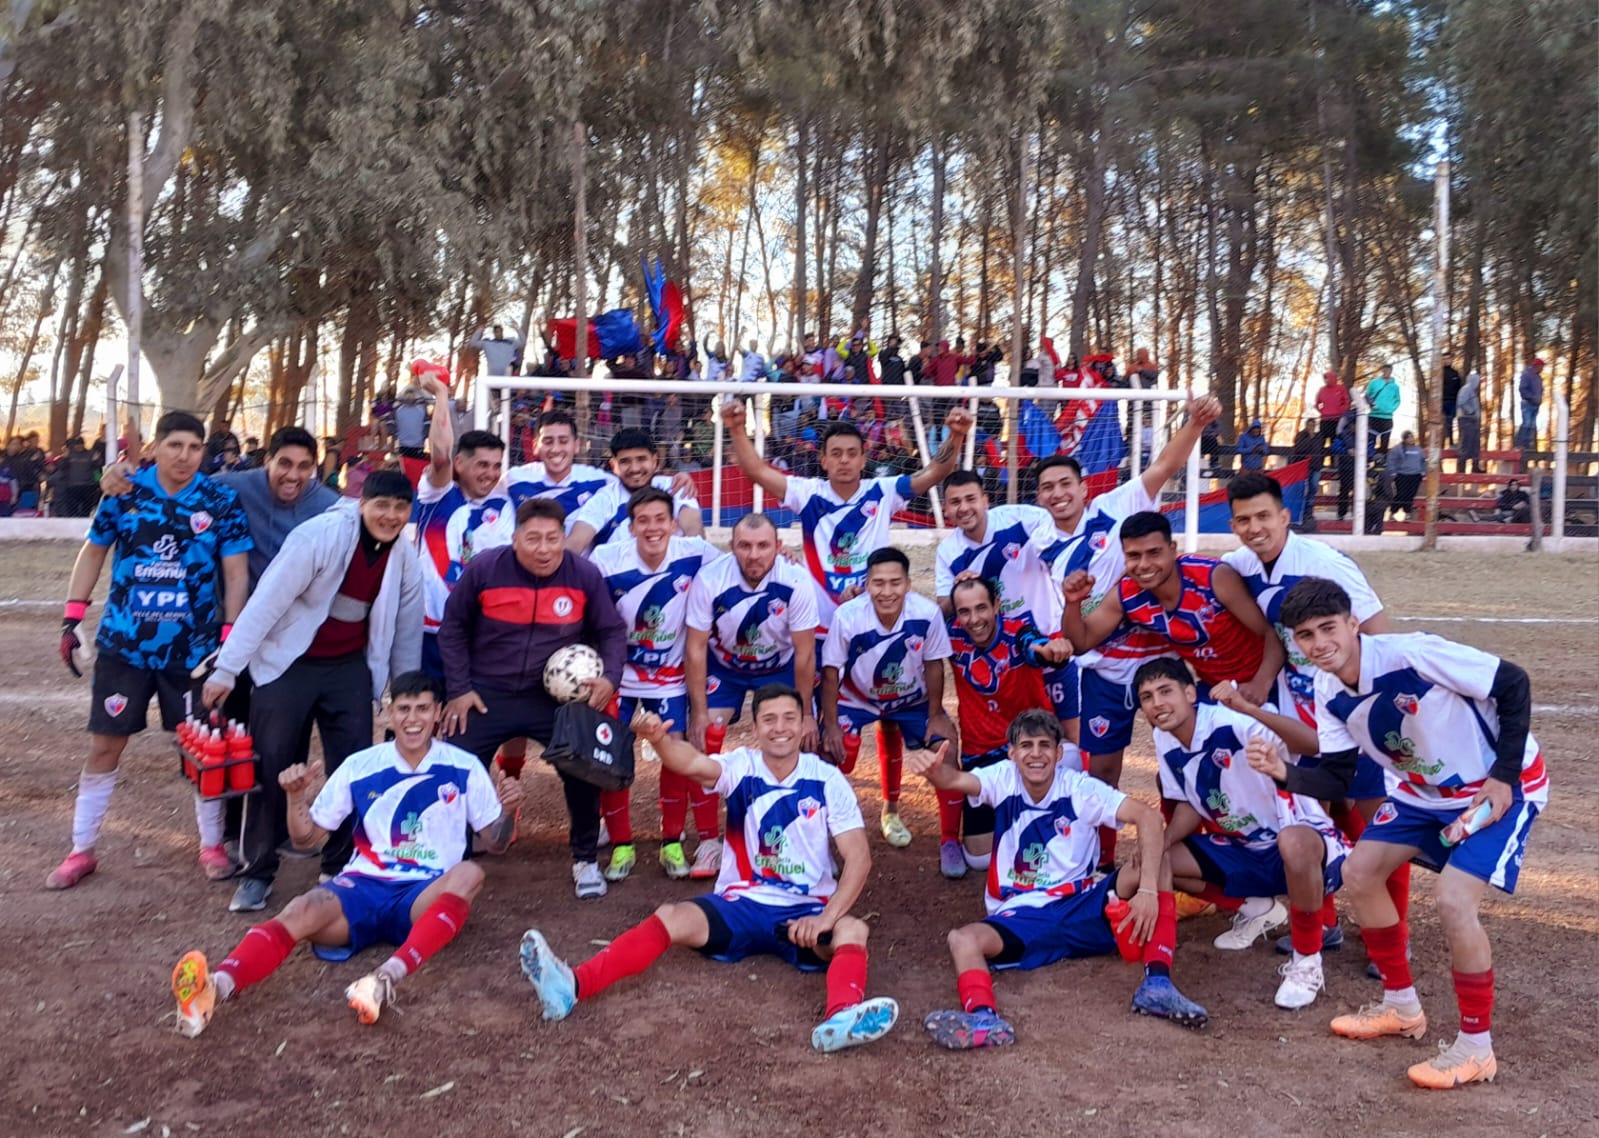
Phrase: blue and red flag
{"type": "Point", "coordinates": [666, 306]}
{"type": "Point", "coordinates": [1090, 431]}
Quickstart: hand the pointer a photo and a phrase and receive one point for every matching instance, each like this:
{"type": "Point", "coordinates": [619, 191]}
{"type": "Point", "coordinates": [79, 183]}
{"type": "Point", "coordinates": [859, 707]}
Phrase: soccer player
{"type": "Point", "coordinates": [1264, 843]}
{"type": "Point", "coordinates": [512, 609]}
{"type": "Point", "coordinates": [604, 518]}
{"type": "Point", "coordinates": [883, 662]}
{"type": "Point", "coordinates": [335, 615]}
{"type": "Point", "coordinates": [649, 578]}
{"type": "Point", "coordinates": [1043, 901]}
{"type": "Point", "coordinates": [172, 532]}
{"type": "Point", "coordinates": [999, 665]}
{"type": "Point", "coordinates": [1453, 726]}
{"type": "Point", "coordinates": [414, 799]}
{"type": "Point", "coordinates": [1197, 605]}
{"type": "Point", "coordinates": [1086, 538]}
{"type": "Point", "coordinates": [556, 474]}
{"type": "Point", "coordinates": [776, 895]}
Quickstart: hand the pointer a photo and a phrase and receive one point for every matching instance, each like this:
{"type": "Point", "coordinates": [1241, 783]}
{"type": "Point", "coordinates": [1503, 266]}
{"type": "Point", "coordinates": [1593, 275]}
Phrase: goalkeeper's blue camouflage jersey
{"type": "Point", "coordinates": [163, 607]}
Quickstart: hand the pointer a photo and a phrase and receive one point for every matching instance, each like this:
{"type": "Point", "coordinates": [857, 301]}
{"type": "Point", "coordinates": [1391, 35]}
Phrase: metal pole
{"type": "Point", "coordinates": [716, 461]}
{"type": "Point", "coordinates": [580, 323]}
{"type": "Point", "coordinates": [480, 404]}
{"type": "Point", "coordinates": [1434, 423]}
{"type": "Point", "coordinates": [111, 451]}
{"type": "Point", "coordinates": [1135, 429]}
{"type": "Point", "coordinates": [971, 435]}
{"type": "Point", "coordinates": [135, 297]}
{"type": "Point", "coordinates": [1190, 498]}
{"type": "Point", "coordinates": [1361, 430]}
{"type": "Point", "coordinates": [760, 449]}
{"type": "Point", "coordinates": [1019, 259]}
{"type": "Point", "coordinates": [921, 444]}
{"type": "Point", "coordinates": [1557, 500]}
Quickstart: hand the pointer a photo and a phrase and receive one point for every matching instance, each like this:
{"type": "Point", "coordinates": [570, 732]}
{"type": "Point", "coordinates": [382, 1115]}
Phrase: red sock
{"type": "Point", "coordinates": [890, 761]}
{"type": "Point", "coordinates": [846, 977]}
{"type": "Point", "coordinates": [1215, 895]}
{"type": "Point", "coordinates": [433, 930]}
{"type": "Point", "coordinates": [852, 753]}
{"type": "Point", "coordinates": [1329, 912]}
{"type": "Point", "coordinates": [715, 737]}
{"type": "Point", "coordinates": [511, 764]}
{"type": "Point", "coordinates": [1162, 946]}
{"type": "Point", "coordinates": [614, 808]}
{"type": "Point", "coordinates": [976, 990]}
{"type": "Point", "coordinates": [1107, 846]}
{"type": "Point", "coordinates": [1386, 947]}
{"type": "Point", "coordinates": [1350, 821]}
{"type": "Point", "coordinates": [951, 805]}
{"type": "Point", "coordinates": [258, 955]}
{"type": "Point", "coordinates": [707, 806]}
{"type": "Point", "coordinates": [627, 955]}
{"type": "Point", "coordinates": [1474, 991]}
{"type": "Point", "coordinates": [1304, 928]}
{"type": "Point", "coordinates": [674, 805]}
{"type": "Point", "coordinates": [1398, 885]}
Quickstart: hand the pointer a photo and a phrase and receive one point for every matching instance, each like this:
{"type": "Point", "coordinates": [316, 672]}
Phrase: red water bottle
{"type": "Point", "coordinates": [213, 779]}
{"type": "Point", "coordinates": [241, 756]}
{"type": "Point", "coordinates": [186, 750]}
{"type": "Point", "coordinates": [715, 737]}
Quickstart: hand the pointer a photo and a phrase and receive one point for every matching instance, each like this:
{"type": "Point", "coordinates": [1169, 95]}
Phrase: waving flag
{"type": "Point", "coordinates": [666, 306]}
{"type": "Point", "coordinates": [1091, 431]}
{"type": "Point", "coordinates": [611, 334]}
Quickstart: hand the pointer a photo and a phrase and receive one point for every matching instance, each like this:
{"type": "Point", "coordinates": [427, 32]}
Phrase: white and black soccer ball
{"type": "Point", "coordinates": [567, 670]}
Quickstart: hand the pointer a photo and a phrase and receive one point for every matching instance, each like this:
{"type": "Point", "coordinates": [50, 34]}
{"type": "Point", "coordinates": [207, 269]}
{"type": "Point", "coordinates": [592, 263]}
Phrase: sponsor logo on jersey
{"type": "Point", "coordinates": [116, 704]}
{"type": "Point", "coordinates": [448, 793]}
{"type": "Point", "coordinates": [1099, 725]}
{"type": "Point", "coordinates": [1407, 703]}
{"type": "Point", "coordinates": [199, 521]}
{"type": "Point", "coordinates": [165, 547]}
{"type": "Point", "coordinates": [1387, 812]}
{"type": "Point", "coordinates": [563, 606]}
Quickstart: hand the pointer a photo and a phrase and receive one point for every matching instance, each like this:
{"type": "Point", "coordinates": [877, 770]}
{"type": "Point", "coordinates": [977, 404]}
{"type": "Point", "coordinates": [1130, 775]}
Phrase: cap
{"type": "Point", "coordinates": [1537, 362]}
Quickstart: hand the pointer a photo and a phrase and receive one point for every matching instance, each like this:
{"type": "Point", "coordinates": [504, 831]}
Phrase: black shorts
{"type": "Point", "coordinates": [121, 696]}
{"type": "Point", "coordinates": [977, 820]}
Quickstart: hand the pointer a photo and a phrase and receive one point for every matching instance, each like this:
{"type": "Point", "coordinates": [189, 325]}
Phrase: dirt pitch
{"type": "Point", "coordinates": [696, 1048]}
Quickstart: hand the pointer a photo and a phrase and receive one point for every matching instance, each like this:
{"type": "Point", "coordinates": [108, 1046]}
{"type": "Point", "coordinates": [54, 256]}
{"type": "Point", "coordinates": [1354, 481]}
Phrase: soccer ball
{"type": "Point", "coordinates": [568, 668]}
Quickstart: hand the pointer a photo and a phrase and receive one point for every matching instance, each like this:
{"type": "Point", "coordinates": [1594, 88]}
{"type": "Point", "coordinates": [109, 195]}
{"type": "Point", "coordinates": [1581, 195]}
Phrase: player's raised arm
{"type": "Point", "coordinates": [1202, 410]}
{"type": "Point", "coordinates": [1087, 632]}
{"type": "Point", "coordinates": [441, 431]}
{"type": "Point", "coordinates": [679, 755]}
{"type": "Point", "coordinates": [935, 765]}
{"type": "Point", "coordinates": [1298, 735]}
{"type": "Point", "coordinates": [762, 473]}
{"type": "Point", "coordinates": [944, 460]}
{"type": "Point", "coordinates": [1236, 597]}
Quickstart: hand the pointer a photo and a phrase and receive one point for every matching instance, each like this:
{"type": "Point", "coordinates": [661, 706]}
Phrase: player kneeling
{"type": "Point", "coordinates": [1043, 902]}
{"type": "Point", "coordinates": [413, 800]}
{"type": "Point", "coordinates": [776, 894]}
{"type": "Point", "coordinates": [1269, 843]}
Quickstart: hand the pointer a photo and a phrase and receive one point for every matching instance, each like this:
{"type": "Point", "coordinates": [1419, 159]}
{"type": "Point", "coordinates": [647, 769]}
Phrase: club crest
{"type": "Point", "coordinates": [1223, 757]}
{"type": "Point", "coordinates": [116, 704]}
{"type": "Point", "coordinates": [1406, 703]}
{"type": "Point", "coordinates": [199, 521]}
{"type": "Point", "coordinates": [776, 607]}
{"type": "Point", "coordinates": [563, 606]}
{"type": "Point", "coordinates": [1387, 812]}
{"type": "Point", "coordinates": [809, 807]}
{"type": "Point", "coordinates": [448, 793]}
{"type": "Point", "coordinates": [1099, 725]}
{"type": "Point", "coordinates": [1063, 827]}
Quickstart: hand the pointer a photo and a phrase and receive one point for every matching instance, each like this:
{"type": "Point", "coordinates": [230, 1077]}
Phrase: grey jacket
{"type": "Point", "coordinates": [295, 595]}
{"type": "Point", "coordinates": [1469, 403]}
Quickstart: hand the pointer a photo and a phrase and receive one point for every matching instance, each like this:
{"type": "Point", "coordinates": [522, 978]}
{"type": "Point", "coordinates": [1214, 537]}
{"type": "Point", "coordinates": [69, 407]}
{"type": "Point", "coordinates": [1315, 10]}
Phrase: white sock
{"type": "Point", "coordinates": [1405, 998]}
{"type": "Point", "coordinates": [1255, 907]}
{"type": "Point", "coordinates": [976, 861]}
{"type": "Point", "coordinates": [208, 815]}
{"type": "Point", "coordinates": [88, 813]}
{"type": "Point", "coordinates": [223, 982]}
{"type": "Point", "coordinates": [1314, 957]}
{"type": "Point", "coordinates": [1479, 1041]}
{"type": "Point", "coordinates": [394, 968]}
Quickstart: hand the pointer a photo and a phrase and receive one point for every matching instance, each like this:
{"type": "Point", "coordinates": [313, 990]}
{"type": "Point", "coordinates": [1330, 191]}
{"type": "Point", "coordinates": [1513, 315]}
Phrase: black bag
{"type": "Point", "coordinates": [591, 746]}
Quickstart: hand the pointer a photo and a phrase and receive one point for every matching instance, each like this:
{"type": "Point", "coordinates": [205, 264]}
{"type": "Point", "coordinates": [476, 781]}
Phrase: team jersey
{"type": "Point", "coordinates": [1215, 778]}
{"type": "Point", "coordinates": [162, 608]}
{"type": "Point", "coordinates": [1301, 557]}
{"type": "Point", "coordinates": [885, 670]}
{"type": "Point", "coordinates": [1201, 628]}
{"type": "Point", "coordinates": [580, 484]}
{"type": "Point", "coordinates": [1046, 850]}
{"type": "Point", "coordinates": [995, 684]}
{"type": "Point", "coordinates": [450, 528]}
{"type": "Point", "coordinates": [1096, 546]}
{"type": "Point", "coordinates": [1011, 556]}
{"type": "Point", "coordinates": [840, 534]}
{"type": "Point", "coordinates": [1423, 711]}
{"type": "Point", "coordinates": [778, 830]}
{"type": "Point", "coordinates": [606, 512]}
{"type": "Point", "coordinates": [752, 629]}
{"type": "Point", "coordinates": [652, 603]}
{"type": "Point", "coordinates": [410, 825]}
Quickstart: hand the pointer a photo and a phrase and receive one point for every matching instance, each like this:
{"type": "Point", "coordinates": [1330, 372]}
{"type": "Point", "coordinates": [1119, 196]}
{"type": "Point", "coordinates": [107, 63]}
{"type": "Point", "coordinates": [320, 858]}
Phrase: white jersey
{"type": "Point", "coordinates": [752, 628]}
{"type": "Point", "coordinates": [530, 480]}
{"type": "Point", "coordinates": [778, 831]}
{"type": "Point", "coordinates": [1011, 555]}
{"type": "Point", "coordinates": [410, 825]}
{"type": "Point", "coordinates": [1215, 778]}
{"type": "Point", "coordinates": [652, 603]}
{"type": "Point", "coordinates": [606, 512]}
{"type": "Point", "coordinates": [450, 530]}
{"type": "Point", "coordinates": [1096, 545]}
{"type": "Point", "coordinates": [1422, 710]}
{"type": "Point", "coordinates": [1043, 851]}
{"type": "Point", "coordinates": [885, 670]}
{"type": "Point", "coordinates": [840, 534]}
{"type": "Point", "coordinates": [1301, 557]}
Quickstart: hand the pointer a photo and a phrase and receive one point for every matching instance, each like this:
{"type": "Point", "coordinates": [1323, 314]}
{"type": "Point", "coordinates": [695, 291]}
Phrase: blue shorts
{"type": "Point", "coordinates": [725, 688]}
{"type": "Point", "coordinates": [980, 819]}
{"type": "Point", "coordinates": [377, 911]}
{"type": "Point", "coordinates": [741, 927]}
{"type": "Point", "coordinates": [1226, 862]}
{"type": "Point", "coordinates": [673, 708]}
{"type": "Point", "coordinates": [911, 721]}
{"type": "Point", "coordinates": [432, 658]}
{"type": "Point", "coordinates": [1107, 711]}
{"type": "Point", "coordinates": [1073, 927]}
{"type": "Point", "coordinates": [1492, 855]}
{"type": "Point", "coordinates": [1062, 685]}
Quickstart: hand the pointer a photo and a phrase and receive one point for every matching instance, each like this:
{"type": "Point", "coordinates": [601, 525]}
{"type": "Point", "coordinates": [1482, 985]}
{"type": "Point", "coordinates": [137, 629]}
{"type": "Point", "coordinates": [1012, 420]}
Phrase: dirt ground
{"type": "Point", "coordinates": [697, 1048]}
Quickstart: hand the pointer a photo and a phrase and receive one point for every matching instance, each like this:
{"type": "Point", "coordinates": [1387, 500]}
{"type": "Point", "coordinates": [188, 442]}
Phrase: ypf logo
{"type": "Point", "coordinates": [563, 606]}
{"type": "Point", "coordinates": [604, 734]}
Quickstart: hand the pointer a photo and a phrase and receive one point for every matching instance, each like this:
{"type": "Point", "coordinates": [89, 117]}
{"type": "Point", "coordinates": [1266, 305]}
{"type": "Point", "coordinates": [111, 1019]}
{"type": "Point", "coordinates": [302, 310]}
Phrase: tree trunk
{"type": "Point", "coordinates": [797, 311]}
{"type": "Point", "coordinates": [1088, 254]}
{"type": "Point", "coordinates": [935, 266]}
{"type": "Point", "coordinates": [876, 184]}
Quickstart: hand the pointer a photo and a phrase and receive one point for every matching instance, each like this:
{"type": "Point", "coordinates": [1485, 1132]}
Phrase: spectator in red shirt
{"type": "Point", "coordinates": [1332, 403]}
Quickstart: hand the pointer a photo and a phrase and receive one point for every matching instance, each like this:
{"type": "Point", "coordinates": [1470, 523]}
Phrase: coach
{"type": "Point", "coordinates": [512, 609]}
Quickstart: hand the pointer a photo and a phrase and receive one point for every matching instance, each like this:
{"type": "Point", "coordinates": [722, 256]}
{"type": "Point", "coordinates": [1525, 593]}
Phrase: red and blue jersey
{"type": "Point", "coordinates": [450, 529]}
{"type": "Point", "coordinates": [840, 534]}
{"type": "Point", "coordinates": [1201, 629]}
{"type": "Point", "coordinates": [531, 480]}
{"type": "Point", "coordinates": [752, 627]}
{"type": "Point", "coordinates": [1043, 850]}
{"type": "Point", "coordinates": [884, 670]}
{"type": "Point", "coordinates": [995, 683]}
{"type": "Point", "coordinates": [653, 603]}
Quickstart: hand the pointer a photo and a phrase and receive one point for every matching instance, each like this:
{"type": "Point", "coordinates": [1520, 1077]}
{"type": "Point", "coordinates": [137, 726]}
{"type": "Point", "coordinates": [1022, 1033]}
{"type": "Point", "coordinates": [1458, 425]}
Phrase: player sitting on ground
{"type": "Point", "coordinates": [883, 662]}
{"type": "Point", "coordinates": [649, 576]}
{"type": "Point", "coordinates": [1043, 902]}
{"type": "Point", "coordinates": [413, 800]}
{"type": "Point", "coordinates": [604, 518]}
{"type": "Point", "coordinates": [1268, 843]}
{"type": "Point", "coordinates": [776, 894]}
{"type": "Point", "coordinates": [998, 666]}
{"type": "Point", "coordinates": [1453, 724]}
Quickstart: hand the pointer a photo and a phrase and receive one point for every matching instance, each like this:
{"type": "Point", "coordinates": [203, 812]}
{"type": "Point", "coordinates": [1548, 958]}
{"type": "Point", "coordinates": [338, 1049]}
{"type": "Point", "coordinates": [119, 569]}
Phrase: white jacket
{"type": "Point", "coordinates": [295, 595]}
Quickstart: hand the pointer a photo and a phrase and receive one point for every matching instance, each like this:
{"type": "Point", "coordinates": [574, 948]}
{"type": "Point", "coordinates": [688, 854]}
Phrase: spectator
{"type": "Point", "coordinates": [1530, 388]}
{"type": "Point", "coordinates": [1252, 448]}
{"type": "Point", "coordinates": [501, 353]}
{"type": "Point", "coordinates": [231, 460]}
{"type": "Point", "coordinates": [1408, 462]}
{"type": "Point", "coordinates": [716, 368]}
{"type": "Point", "coordinates": [411, 431]}
{"type": "Point", "coordinates": [1209, 444]}
{"type": "Point", "coordinates": [29, 470]}
{"type": "Point", "coordinates": [752, 368]}
{"type": "Point", "coordinates": [1343, 451]}
{"type": "Point", "coordinates": [1307, 449]}
{"type": "Point", "coordinates": [1382, 396]}
{"type": "Point", "coordinates": [1331, 403]}
{"type": "Point", "coordinates": [983, 363]}
{"type": "Point", "coordinates": [1146, 372]}
{"type": "Point", "coordinates": [1451, 398]}
{"type": "Point", "coordinates": [77, 485]}
{"type": "Point", "coordinates": [1514, 504]}
{"type": "Point", "coordinates": [1469, 407]}
{"type": "Point", "coordinates": [10, 488]}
